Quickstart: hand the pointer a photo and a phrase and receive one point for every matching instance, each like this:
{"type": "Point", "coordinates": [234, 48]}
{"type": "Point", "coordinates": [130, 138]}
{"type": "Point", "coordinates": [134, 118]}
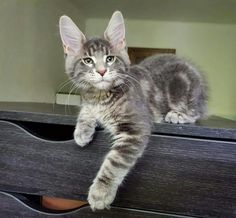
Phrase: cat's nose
{"type": "Point", "coordinates": [102, 71]}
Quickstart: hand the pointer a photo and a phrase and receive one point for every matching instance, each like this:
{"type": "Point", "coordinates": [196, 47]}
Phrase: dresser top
{"type": "Point", "coordinates": [214, 127]}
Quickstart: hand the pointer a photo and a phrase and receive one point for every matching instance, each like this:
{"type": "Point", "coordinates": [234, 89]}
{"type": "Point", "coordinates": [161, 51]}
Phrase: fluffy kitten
{"type": "Point", "coordinates": [125, 99]}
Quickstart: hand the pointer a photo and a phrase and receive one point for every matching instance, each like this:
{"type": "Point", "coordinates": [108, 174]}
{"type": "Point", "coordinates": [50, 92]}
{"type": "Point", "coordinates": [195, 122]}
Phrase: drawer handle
{"type": "Point", "coordinates": [43, 132]}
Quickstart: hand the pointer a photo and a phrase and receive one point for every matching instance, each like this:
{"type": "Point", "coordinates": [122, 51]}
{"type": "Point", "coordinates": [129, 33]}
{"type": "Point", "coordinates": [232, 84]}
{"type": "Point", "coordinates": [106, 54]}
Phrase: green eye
{"type": "Point", "coordinates": [88, 61]}
{"type": "Point", "coordinates": [110, 59]}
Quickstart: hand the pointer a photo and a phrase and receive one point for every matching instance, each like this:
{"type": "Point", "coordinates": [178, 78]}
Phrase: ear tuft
{"type": "Point", "coordinates": [71, 36]}
{"type": "Point", "coordinates": [115, 31]}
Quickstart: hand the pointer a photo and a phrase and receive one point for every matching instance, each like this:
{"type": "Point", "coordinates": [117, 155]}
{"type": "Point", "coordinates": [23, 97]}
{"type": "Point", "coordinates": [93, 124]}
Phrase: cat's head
{"type": "Point", "coordinates": [98, 62]}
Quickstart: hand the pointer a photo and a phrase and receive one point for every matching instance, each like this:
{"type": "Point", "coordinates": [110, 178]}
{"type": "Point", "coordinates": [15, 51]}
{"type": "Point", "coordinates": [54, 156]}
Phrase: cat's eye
{"type": "Point", "coordinates": [88, 61]}
{"type": "Point", "coordinates": [110, 59]}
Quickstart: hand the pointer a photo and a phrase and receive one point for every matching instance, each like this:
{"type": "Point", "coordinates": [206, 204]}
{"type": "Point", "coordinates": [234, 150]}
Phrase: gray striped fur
{"type": "Point", "coordinates": [126, 101]}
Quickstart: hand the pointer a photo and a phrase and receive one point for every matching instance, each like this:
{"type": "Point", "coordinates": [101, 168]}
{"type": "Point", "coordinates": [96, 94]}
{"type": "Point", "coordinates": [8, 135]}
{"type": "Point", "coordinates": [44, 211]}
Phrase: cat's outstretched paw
{"type": "Point", "coordinates": [101, 196]}
{"type": "Point", "coordinates": [178, 117]}
{"type": "Point", "coordinates": [83, 136]}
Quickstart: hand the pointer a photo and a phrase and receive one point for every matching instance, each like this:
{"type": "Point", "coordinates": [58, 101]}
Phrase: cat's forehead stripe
{"type": "Point", "coordinates": [96, 45]}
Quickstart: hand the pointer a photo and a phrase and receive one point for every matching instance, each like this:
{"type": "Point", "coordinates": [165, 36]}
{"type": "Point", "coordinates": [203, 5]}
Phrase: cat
{"type": "Point", "coordinates": [125, 99]}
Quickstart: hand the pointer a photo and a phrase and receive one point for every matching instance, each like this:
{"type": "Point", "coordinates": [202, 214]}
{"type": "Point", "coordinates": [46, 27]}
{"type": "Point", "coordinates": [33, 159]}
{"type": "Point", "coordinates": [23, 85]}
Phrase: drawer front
{"type": "Point", "coordinates": [14, 206]}
{"type": "Point", "coordinates": [31, 164]}
{"type": "Point", "coordinates": [181, 175]}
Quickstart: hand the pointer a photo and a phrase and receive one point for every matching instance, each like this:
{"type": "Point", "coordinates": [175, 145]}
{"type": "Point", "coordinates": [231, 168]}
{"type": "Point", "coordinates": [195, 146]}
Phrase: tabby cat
{"type": "Point", "coordinates": [125, 99]}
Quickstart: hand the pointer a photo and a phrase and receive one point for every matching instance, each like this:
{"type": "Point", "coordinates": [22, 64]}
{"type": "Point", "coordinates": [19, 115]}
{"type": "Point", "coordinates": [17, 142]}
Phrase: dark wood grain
{"type": "Point", "coordinates": [213, 127]}
{"type": "Point", "coordinates": [194, 177]}
{"type": "Point", "coordinates": [136, 55]}
{"type": "Point", "coordinates": [24, 210]}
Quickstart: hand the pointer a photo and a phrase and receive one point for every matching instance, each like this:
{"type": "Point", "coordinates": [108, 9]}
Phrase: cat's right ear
{"type": "Point", "coordinates": [71, 36]}
{"type": "Point", "coordinates": [115, 31]}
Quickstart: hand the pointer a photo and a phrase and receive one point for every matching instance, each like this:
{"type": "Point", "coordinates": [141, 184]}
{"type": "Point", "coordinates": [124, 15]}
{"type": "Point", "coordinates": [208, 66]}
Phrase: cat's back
{"type": "Point", "coordinates": [160, 59]}
{"type": "Point", "coordinates": [165, 67]}
{"type": "Point", "coordinates": [179, 86]}
{"type": "Point", "coordinates": [164, 62]}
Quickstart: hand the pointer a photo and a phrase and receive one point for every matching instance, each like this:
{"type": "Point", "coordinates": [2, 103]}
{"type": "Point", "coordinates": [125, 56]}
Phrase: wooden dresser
{"type": "Point", "coordinates": [186, 171]}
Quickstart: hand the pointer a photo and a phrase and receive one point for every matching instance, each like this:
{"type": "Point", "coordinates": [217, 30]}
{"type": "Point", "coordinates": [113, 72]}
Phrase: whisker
{"type": "Point", "coordinates": [60, 87]}
{"type": "Point", "coordinates": [127, 80]}
{"type": "Point", "coordinates": [73, 87]}
{"type": "Point", "coordinates": [134, 79]}
{"type": "Point", "coordinates": [65, 83]}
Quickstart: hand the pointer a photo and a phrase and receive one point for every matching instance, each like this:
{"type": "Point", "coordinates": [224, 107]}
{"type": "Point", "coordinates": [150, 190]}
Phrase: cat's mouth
{"type": "Point", "coordinates": [103, 84]}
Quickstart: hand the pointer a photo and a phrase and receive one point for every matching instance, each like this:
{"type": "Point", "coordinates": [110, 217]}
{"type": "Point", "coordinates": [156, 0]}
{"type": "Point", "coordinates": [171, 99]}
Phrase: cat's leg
{"type": "Point", "coordinates": [179, 94]}
{"type": "Point", "coordinates": [157, 116]}
{"type": "Point", "coordinates": [174, 116]}
{"type": "Point", "coordinates": [85, 127]}
{"type": "Point", "coordinates": [118, 162]}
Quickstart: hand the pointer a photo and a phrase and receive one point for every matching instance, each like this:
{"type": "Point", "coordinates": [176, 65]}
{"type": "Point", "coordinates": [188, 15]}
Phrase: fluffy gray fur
{"type": "Point", "coordinates": [126, 99]}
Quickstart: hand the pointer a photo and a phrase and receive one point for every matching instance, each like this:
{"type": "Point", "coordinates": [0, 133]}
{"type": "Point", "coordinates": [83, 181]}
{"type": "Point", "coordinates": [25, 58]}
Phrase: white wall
{"type": "Point", "coordinates": [31, 56]}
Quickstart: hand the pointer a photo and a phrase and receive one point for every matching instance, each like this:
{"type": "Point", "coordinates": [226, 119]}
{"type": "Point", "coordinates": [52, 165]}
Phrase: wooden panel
{"type": "Point", "coordinates": [39, 112]}
{"type": "Point", "coordinates": [212, 128]}
{"type": "Point", "coordinates": [180, 175]}
{"type": "Point", "coordinates": [14, 206]}
{"type": "Point", "coordinates": [136, 55]}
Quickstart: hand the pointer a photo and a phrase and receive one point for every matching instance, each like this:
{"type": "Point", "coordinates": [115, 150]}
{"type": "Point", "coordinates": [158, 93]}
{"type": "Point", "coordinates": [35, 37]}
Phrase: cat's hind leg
{"type": "Point", "coordinates": [179, 95]}
{"type": "Point", "coordinates": [175, 116]}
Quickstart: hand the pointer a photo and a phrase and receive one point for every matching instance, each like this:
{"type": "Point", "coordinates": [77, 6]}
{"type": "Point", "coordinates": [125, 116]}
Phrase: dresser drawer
{"type": "Point", "coordinates": [181, 175]}
{"type": "Point", "coordinates": [36, 162]}
{"type": "Point", "coordinates": [16, 206]}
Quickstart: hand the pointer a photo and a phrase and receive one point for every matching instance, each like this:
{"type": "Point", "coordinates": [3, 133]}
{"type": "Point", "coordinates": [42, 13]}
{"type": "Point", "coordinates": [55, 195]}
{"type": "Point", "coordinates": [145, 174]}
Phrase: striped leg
{"type": "Point", "coordinates": [117, 164]}
{"type": "Point", "coordinates": [85, 127]}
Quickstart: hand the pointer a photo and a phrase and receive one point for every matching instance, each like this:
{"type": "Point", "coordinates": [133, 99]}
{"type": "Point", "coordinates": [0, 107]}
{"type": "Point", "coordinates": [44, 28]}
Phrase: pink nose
{"type": "Point", "coordinates": [102, 72]}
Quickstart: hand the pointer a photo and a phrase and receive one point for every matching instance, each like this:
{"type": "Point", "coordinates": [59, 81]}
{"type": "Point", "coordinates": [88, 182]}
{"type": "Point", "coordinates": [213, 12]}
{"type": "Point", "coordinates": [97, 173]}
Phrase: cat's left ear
{"type": "Point", "coordinates": [115, 31]}
{"type": "Point", "coordinates": [71, 36]}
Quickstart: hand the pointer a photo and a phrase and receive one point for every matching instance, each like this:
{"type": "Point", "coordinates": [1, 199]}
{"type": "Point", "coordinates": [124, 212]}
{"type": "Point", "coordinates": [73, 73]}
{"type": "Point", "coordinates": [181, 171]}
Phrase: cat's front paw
{"type": "Point", "coordinates": [101, 196]}
{"type": "Point", "coordinates": [83, 136]}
